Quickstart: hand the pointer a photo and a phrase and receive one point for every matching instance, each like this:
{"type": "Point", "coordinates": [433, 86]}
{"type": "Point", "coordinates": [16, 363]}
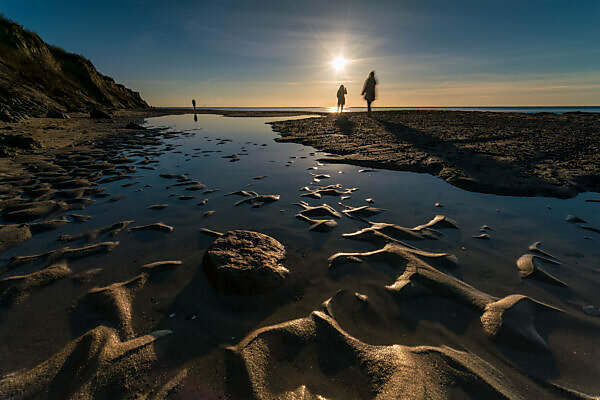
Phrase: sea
{"type": "Point", "coordinates": [515, 109]}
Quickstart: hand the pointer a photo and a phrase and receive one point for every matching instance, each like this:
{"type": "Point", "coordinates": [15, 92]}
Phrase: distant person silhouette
{"type": "Point", "coordinates": [369, 90]}
{"type": "Point", "coordinates": [341, 96]}
{"type": "Point", "coordinates": [194, 104]}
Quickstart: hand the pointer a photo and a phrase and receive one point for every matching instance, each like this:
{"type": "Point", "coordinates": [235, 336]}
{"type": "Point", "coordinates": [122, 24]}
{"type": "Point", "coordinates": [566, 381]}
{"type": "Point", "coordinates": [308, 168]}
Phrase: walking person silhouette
{"type": "Point", "coordinates": [341, 97]}
{"type": "Point", "coordinates": [369, 90]}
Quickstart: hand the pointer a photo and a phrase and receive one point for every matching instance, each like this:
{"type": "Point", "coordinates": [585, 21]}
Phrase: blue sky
{"type": "Point", "coordinates": [279, 53]}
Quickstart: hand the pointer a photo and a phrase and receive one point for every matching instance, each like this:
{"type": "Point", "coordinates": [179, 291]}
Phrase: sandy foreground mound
{"type": "Point", "coordinates": [347, 349]}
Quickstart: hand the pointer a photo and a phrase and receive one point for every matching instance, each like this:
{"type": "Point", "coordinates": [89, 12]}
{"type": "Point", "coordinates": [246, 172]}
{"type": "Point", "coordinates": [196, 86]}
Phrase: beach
{"type": "Point", "coordinates": [540, 154]}
{"type": "Point", "coordinates": [206, 256]}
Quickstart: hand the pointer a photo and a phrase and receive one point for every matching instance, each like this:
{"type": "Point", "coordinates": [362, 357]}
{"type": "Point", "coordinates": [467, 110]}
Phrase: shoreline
{"type": "Point", "coordinates": [553, 155]}
{"type": "Point", "coordinates": [36, 139]}
{"type": "Point", "coordinates": [515, 154]}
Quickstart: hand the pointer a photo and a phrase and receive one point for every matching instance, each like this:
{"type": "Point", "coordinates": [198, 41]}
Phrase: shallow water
{"type": "Point", "coordinates": [407, 197]}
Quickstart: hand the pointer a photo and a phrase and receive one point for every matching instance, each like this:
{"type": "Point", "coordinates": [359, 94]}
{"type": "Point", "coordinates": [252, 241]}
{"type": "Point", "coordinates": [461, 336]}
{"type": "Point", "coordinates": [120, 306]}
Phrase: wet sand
{"type": "Point", "coordinates": [516, 154]}
{"type": "Point", "coordinates": [132, 309]}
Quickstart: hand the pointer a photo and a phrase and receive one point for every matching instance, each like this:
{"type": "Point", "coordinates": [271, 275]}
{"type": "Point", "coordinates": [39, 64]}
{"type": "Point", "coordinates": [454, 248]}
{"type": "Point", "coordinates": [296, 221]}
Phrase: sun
{"type": "Point", "coordinates": [339, 63]}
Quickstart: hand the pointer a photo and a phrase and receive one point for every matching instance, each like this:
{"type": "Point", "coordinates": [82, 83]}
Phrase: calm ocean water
{"type": "Point", "coordinates": [557, 110]}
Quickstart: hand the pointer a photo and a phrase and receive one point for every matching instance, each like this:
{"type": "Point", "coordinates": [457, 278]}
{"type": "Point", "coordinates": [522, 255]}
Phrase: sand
{"type": "Point", "coordinates": [420, 332]}
{"type": "Point", "coordinates": [501, 153]}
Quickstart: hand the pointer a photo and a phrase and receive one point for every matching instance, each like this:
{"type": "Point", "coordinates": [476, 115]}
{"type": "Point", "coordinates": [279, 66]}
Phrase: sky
{"type": "Point", "coordinates": [253, 53]}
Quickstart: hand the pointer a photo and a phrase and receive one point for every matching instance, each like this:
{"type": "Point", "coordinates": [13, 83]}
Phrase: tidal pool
{"type": "Point", "coordinates": [205, 321]}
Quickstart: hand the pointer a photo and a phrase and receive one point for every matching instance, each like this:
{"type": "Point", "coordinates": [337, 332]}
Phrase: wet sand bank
{"type": "Point", "coordinates": [516, 154]}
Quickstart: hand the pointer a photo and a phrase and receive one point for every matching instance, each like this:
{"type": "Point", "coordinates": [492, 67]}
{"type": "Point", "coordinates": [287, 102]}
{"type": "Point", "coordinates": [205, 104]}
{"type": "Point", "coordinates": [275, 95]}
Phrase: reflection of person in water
{"type": "Point", "coordinates": [369, 90]}
{"type": "Point", "coordinates": [341, 96]}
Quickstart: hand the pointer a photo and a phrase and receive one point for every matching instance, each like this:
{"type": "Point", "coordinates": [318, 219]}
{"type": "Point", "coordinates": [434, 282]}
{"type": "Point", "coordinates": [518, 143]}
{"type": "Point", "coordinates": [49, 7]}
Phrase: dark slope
{"type": "Point", "coordinates": [36, 77]}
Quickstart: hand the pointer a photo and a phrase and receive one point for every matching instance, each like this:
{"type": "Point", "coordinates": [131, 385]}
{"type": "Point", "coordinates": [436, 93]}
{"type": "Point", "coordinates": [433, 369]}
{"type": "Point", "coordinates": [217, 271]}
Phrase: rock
{"type": "Point", "coordinates": [56, 114]}
{"type": "Point", "coordinates": [483, 236]}
{"type": "Point", "coordinates": [245, 263]}
{"type": "Point", "coordinates": [99, 114]}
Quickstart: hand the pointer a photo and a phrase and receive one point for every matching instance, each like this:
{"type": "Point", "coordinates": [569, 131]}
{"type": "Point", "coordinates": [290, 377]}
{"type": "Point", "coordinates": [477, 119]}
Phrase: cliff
{"type": "Point", "coordinates": [36, 77]}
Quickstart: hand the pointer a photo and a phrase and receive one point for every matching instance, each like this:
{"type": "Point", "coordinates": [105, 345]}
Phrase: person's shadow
{"type": "Point", "coordinates": [344, 124]}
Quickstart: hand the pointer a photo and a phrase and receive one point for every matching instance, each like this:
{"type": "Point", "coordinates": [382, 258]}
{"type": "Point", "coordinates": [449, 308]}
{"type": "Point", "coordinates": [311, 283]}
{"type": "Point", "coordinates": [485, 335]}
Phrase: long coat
{"type": "Point", "coordinates": [369, 88]}
{"type": "Point", "coordinates": [341, 95]}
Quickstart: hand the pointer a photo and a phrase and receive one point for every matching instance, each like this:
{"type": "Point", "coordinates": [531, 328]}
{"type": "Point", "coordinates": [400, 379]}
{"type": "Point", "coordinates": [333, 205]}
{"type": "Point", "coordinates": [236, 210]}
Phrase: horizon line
{"type": "Point", "coordinates": [504, 106]}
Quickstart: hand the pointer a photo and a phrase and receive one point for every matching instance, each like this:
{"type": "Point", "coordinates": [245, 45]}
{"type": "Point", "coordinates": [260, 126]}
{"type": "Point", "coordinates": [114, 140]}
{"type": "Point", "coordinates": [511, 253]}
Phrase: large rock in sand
{"type": "Point", "coordinates": [245, 263]}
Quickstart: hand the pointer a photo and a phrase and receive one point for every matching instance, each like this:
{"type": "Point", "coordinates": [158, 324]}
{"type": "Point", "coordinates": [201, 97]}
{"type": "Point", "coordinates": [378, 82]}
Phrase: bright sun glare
{"type": "Point", "coordinates": [339, 63]}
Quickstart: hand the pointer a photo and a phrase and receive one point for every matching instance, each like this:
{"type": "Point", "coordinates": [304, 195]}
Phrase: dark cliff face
{"type": "Point", "coordinates": [36, 77]}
